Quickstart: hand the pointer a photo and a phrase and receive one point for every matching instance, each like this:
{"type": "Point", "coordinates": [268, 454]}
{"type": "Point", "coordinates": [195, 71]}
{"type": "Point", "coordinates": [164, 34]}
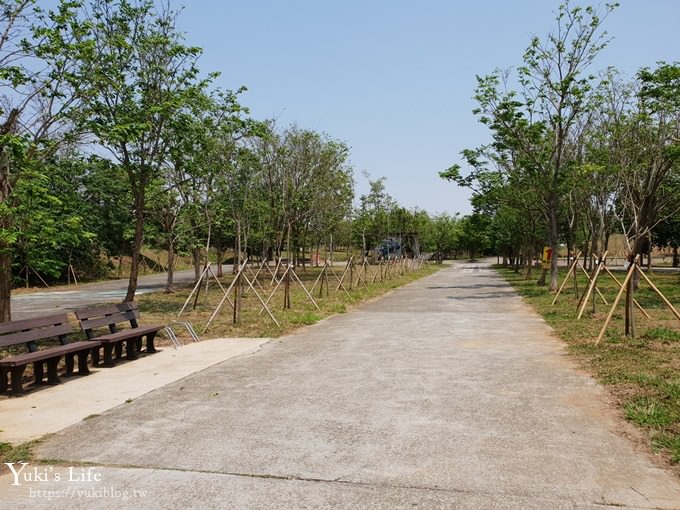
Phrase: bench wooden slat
{"type": "Point", "coordinates": [28, 332]}
{"type": "Point", "coordinates": [35, 334]}
{"type": "Point", "coordinates": [37, 322]}
{"type": "Point", "coordinates": [98, 311]}
{"type": "Point", "coordinates": [98, 322]}
{"type": "Point", "coordinates": [51, 352]}
{"type": "Point", "coordinates": [92, 320]}
{"type": "Point", "coordinates": [128, 333]}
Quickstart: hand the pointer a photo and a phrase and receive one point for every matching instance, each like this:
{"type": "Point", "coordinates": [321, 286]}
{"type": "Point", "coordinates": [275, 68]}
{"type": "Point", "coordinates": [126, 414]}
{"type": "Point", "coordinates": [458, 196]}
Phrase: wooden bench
{"type": "Point", "coordinates": [111, 316]}
{"type": "Point", "coordinates": [29, 332]}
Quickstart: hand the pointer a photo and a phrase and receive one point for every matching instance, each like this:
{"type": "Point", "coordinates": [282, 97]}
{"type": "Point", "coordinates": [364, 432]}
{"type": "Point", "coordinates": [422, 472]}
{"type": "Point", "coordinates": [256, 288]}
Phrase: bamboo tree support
{"type": "Point", "coordinates": [226, 295]}
{"type": "Point", "coordinates": [257, 273]}
{"type": "Point", "coordinates": [71, 272]}
{"type": "Point", "coordinates": [663, 298]}
{"type": "Point", "coordinates": [309, 295]}
{"type": "Point", "coordinates": [376, 270]}
{"type": "Point", "coordinates": [361, 274]}
{"type": "Point", "coordinates": [198, 285]}
{"type": "Point", "coordinates": [344, 273]}
{"type": "Point", "coordinates": [629, 273]}
{"type": "Point", "coordinates": [322, 276]}
{"type": "Point", "coordinates": [276, 272]}
{"type": "Point", "coordinates": [635, 302]}
{"type": "Point", "coordinates": [255, 279]}
{"type": "Point", "coordinates": [265, 264]}
{"type": "Point", "coordinates": [257, 294]}
{"type": "Point", "coordinates": [596, 289]}
{"type": "Point", "coordinates": [279, 281]}
{"type": "Point", "coordinates": [566, 278]}
{"type": "Point", "coordinates": [591, 286]}
{"type": "Point", "coordinates": [340, 284]}
{"type": "Point", "coordinates": [28, 268]}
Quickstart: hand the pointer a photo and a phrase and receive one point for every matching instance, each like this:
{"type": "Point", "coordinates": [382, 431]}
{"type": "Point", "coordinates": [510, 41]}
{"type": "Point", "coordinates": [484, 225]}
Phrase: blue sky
{"type": "Point", "coordinates": [393, 78]}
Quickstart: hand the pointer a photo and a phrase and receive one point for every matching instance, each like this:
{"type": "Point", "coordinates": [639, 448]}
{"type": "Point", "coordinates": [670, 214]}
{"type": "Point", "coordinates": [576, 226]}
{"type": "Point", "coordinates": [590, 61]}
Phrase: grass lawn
{"type": "Point", "coordinates": [642, 373]}
{"type": "Point", "coordinates": [164, 308]}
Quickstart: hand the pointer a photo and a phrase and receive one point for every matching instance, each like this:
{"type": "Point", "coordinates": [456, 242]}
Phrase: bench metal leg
{"type": "Point", "coordinates": [3, 379]}
{"type": "Point", "coordinates": [130, 347]}
{"type": "Point", "coordinates": [119, 350]}
{"type": "Point", "coordinates": [69, 363]}
{"type": "Point", "coordinates": [17, 375]}
{"type": "Point", "coordinates": [95, 356]}
{"type": "Point", "coordinates": [82, 362]}
{"type": "Point", "coordinates": [108, 355]}
{"type": "Point", "coordinates": [38, 372]}
{"type": "Point", "coordinates": [149, 342]}
{"type": "Point", "coordinates": [52, 376]}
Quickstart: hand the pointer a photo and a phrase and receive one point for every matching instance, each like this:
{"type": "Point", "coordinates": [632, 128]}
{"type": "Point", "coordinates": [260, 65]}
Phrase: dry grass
{"type": "Point", "coordinates": [251, 322]}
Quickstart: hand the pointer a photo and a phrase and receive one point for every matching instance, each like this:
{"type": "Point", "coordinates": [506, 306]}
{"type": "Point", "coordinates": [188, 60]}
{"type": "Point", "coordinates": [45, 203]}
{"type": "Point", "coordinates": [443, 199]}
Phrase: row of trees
{"type": "Point", "coordinates": [575, 156]}
{"type": "Point", "coordinates": [111, 138]}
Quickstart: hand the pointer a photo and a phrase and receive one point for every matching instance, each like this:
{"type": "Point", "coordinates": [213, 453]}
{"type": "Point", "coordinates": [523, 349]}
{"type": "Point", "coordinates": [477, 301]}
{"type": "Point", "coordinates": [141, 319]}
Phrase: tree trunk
{"type": "Point", "coordinates": [676, 257]}
{"type": "Point", "coordinates": [237, 249]}
{"type": "Point", "coordinates": [542, 279]}
{"type": "Point", "coordinates": [136, 247]}
{"type": "Point", "coordinates": [554, 240]}
{"type": "Point", "coordinates": [529, 258]}
{"type": "Point", "coordinates": [169, 286]}
{"type": "Point", "coordinates": [629, 316]}
{"type": "Point", "coordinates": [5, 249]}
{"type": "Point", "coordinates": [5, 283]}
{"type": "Point", "coordinates": [196, 260]}
{"type": "Point", "coordinates": [220, 255]}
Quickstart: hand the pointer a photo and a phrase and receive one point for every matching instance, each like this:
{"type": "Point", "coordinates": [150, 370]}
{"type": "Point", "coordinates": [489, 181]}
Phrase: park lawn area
{"type": "Point", "coordinates": [642, 373]}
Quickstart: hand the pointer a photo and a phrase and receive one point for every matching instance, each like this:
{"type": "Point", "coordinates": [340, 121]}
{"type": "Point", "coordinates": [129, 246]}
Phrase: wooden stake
{"type": "Point", "coordinates": [663, 298]}
{"type": "Point", "coordinates": [225, 298]}
{"type": "Point", "coordinates": [616, 301]}
{"type": "Point", "coordinates": [611, 275]}
{"type": "Point", "coordinates": [596, 289]}
{"type": "Point", "coordinates": [261, 300]}
{"type": "Point", "coordinates": [305, 289]}
{"type": "Point", "coordinates": [566, 278]}
{"type": "Point", "coordinates": [592, 284]}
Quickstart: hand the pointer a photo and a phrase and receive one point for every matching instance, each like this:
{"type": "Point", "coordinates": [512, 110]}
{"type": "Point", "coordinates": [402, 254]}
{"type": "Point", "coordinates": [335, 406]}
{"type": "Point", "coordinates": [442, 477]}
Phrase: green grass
{"type": "Point", "coordinates": [18, 453]}
{"type": "Point", "coordinates": [642, 373]}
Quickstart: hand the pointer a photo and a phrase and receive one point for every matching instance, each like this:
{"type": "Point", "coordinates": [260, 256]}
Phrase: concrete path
{"type": "Point", "coordinates": [53, 408]}
{"type": "Point", "coordinates": [447, 393]}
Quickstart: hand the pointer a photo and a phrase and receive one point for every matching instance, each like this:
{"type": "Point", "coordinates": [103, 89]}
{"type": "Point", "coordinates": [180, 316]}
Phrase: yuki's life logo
{"type": "Point", "coordinates": [22, 473]}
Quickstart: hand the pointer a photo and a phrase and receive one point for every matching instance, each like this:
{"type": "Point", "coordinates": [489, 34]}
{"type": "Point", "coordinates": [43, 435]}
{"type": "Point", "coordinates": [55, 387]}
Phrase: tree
{"type": "Point", "coordinates": [646, 135]}
{"type": "Point", "coordinates": [140, 75]}
{"type": "Point", "coordinates": [40, 89]}
{"type": "Point", "coordinates": [373, 215]}
{"type": "Point", "coordinates": [532, 129]}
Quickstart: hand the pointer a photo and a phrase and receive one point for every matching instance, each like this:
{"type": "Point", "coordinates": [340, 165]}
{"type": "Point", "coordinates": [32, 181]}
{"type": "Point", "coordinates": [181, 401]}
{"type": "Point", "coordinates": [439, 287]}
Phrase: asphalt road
{"type": "Point", "coordinates": [34, 304]}
{"type": "Point", "coordinates": [446, 393]}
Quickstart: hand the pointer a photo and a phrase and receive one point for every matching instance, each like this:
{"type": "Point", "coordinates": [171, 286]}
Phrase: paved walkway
{"type": "Point", "coordinates": [447, 393]}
